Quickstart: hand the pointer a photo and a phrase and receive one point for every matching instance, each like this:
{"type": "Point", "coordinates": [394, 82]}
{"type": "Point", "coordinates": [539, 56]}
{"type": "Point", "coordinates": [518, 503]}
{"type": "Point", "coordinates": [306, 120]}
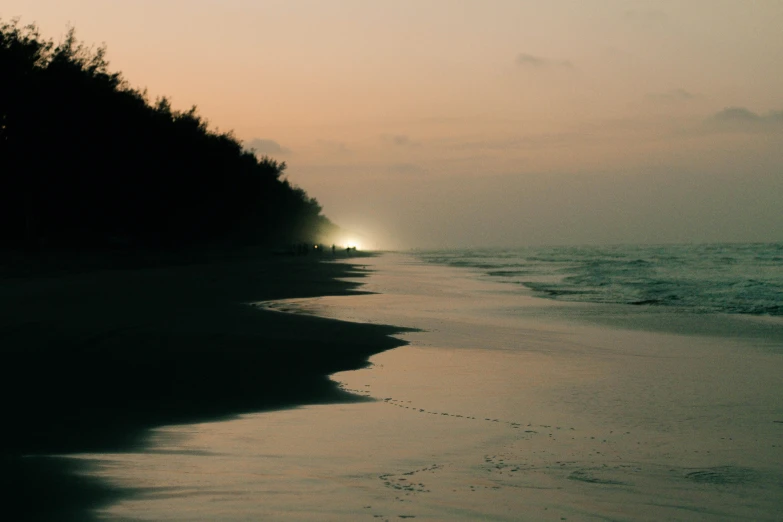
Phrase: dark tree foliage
{"type": "Point", "coordinates": [88, 161]}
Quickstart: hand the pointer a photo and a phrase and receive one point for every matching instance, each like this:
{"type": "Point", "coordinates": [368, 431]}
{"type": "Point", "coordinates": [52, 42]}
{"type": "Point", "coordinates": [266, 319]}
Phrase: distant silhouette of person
{"type": "Point", "coordinates": [333, 249]}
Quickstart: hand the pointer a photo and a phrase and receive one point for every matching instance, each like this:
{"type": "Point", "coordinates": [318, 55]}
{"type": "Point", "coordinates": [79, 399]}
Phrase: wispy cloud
{"type": "Point", "coordinates": [334, 146]}
{"type": "Point", "coordinates": [530, 142]}
{"type": "Point", "coordinates": [531, 61]}
{"type": "Point", "coordinates": [262, 146]}
{"type": "Point", "coordinates": [742, 118]}
{"type": "Point", "coordinates": [746, 116]}
{"type": "Point", "coordinates": [399, 140]}
{"type": "Point", "coordinates": [672, 96]}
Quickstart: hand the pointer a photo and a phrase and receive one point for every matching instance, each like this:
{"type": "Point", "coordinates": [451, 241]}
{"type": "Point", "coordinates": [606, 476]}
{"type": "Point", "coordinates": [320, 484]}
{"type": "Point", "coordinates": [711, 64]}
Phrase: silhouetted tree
{"type": "Point", "coordinates": [87, 160]}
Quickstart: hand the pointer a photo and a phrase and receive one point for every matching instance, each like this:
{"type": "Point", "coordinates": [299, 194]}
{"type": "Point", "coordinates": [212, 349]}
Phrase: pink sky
{"type": "Point", "coordinates": [458, 123]}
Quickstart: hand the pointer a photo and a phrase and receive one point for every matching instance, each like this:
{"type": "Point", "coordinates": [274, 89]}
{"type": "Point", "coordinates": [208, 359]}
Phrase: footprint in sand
{"type": "Point", "coordinates": [405, 482]}
{"type": "Point", "coordinates": [403, 404]}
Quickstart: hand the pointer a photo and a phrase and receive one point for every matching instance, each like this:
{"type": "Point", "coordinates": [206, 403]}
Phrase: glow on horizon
{"type": "Point", "coordinates": [348, 242]}
{"type": "Point", "coordinates": [467, 122]}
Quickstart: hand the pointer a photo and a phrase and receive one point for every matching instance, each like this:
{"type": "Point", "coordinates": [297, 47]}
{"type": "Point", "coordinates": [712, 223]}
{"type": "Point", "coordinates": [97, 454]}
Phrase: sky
{"type": "Point", "coordinates": [458, 123]}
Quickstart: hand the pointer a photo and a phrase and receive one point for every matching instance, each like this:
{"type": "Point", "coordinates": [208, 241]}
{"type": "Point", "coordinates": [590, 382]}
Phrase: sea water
{"type": "Point", "coordinates": [718, 290]}
{"type": "Point", "coordinates": [710, 278]}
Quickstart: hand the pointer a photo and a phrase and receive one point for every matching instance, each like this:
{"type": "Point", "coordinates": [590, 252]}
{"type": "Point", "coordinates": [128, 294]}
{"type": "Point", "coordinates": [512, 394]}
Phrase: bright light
{"type": "Point", "coordinates": [352, 243]}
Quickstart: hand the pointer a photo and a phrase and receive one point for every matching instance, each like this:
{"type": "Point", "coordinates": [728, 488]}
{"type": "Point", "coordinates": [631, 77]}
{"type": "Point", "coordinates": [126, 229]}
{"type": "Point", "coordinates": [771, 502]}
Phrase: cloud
{"type": "Point", "coordinates": [730, 114]}
{"type": "Point", "coordinates": [260, 146]}
{"type": "Point", "coordinates": [399, 140]}
{"type": "Point", "coordinates": [671, 96]}
{"type": "Point", "coordinates": [741, 118]}
{"type": "Point", "coordinates": [338, 147]}
{"type": "Point", "coordinates": [530, 61]}
{"type": "Point", "coordinates": [775, 117]}
{"type": "Point", "coordinates": [530, 142]}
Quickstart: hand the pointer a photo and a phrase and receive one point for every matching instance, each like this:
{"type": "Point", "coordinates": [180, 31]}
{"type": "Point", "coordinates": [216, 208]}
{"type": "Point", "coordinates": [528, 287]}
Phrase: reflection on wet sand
{"type": "Point", "coordinates": [487, 415]}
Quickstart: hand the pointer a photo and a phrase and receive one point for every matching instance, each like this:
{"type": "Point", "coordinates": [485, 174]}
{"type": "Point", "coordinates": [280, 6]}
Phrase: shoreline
{"type": "Point", "coordinates": [489, 412]}
{"type": "Point", "coordinates": [94, 360]}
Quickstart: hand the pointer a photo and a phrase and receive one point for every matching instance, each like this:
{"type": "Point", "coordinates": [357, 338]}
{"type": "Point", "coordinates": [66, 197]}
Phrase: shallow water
{"type": "Point", "coordinates": [504, 407]}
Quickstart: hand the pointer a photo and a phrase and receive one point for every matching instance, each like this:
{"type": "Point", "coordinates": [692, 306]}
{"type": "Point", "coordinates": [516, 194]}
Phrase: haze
{"type": "Point", "coordinates": [447, 123]}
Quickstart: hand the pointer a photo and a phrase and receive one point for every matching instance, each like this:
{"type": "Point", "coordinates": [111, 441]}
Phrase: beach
{"type": "Point", "coordinates": [93, 359]}
{"type": "Point", "coordinates": [499, 407]}
{"type": "Point", "coordinates": [380, 261]}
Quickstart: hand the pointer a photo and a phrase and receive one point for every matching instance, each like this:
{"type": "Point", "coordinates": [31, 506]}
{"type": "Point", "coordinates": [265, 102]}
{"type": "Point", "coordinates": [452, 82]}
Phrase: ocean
{"type": "Point", "coordinates": [611, 383]}
{"type": "Point", "coordinates": [710, 278]}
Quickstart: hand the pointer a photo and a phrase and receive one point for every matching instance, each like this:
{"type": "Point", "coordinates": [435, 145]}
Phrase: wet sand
{"type": "Point", "coordinates": [93, 360]}
{"type": "Point", "coordinates": [498, 409]}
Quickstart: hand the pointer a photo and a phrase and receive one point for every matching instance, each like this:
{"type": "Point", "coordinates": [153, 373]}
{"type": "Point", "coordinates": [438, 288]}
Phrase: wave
{"type": "Point", "coordinates": [717, 278]}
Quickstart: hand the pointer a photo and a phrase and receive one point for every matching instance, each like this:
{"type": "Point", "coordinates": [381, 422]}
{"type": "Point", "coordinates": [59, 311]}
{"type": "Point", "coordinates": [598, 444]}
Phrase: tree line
{"type": "Point", "coordinates": [86, 160]}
